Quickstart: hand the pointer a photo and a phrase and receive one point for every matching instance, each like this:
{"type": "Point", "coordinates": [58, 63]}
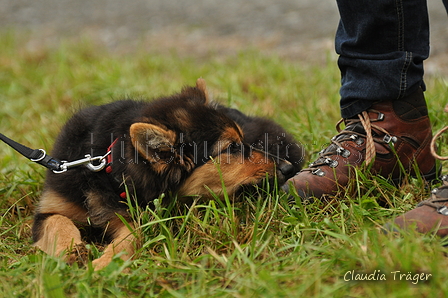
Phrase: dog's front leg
{"type": "Point", "coordinates": [58, 234]}
{"type": "Point", "coordinates": [123, 241]}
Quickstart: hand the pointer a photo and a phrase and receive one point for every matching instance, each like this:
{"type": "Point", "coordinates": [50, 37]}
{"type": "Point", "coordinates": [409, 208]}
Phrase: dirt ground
{"type": "Point", "coordinates": [298, 29]}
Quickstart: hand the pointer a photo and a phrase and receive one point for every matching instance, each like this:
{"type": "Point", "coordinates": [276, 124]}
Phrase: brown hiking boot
{"type": "Point", "coordinates": [429, 215]}
{"type": "Point", "coordinates": [388, 134]}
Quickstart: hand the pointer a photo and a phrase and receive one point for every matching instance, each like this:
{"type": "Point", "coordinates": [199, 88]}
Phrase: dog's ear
{"type": "Point", "coordinates": [200, 84]}
{"type": "Point", "coordinates": [196, 95]}
{"type": "Point", "coordinates": [152, 140]}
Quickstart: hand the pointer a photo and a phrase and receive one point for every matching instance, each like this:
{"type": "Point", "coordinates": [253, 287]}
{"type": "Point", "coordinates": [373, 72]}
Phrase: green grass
{"type": "Point", "coordinates": [259, 248]}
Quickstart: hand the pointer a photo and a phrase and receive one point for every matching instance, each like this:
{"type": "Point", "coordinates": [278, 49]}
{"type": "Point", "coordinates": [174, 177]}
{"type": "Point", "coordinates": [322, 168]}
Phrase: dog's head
{"type": "Point", "coordinates": [198, 150]}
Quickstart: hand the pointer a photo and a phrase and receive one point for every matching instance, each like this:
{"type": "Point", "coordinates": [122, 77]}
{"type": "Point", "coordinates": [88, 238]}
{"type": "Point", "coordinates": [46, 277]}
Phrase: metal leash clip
{"type": "Point", "coordinates": [87, 162]}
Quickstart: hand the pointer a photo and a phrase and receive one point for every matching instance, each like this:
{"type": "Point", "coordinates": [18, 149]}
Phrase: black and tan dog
{"type": "Point", "coordinates": [173, 146]}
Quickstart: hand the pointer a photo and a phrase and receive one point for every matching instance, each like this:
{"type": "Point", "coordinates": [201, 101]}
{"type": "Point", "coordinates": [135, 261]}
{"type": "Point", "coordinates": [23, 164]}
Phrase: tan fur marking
{"type": "Point", "coordinates": [124, 241]}
{"type": "Point", "coordinates": [235, 172]}
{"type": "Point", "coordinates": [159, 167]}
{"type": "Point", "coordinates": [58, 234]}
{"type": "Point", "coordinates": [235, 135]}
{"type": "Point", "coordinates": [229, 136]}
{"type": "Point", "coordinates": [52, 202]}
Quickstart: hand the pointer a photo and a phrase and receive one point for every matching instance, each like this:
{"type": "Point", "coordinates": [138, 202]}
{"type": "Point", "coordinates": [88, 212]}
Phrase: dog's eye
{"type": "Point", "coordinates": [233, 147]}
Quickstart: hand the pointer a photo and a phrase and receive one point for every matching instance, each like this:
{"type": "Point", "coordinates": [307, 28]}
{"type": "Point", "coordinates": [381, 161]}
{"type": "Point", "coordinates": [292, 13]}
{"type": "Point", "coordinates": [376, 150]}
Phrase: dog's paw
{"type": "Point", "coordinates": [79, 254]}
{"type": "Point", "coordinates": [101, 262]}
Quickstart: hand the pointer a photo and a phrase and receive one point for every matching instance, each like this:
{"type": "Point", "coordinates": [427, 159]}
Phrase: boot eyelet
{"type": "Point", "coordinates": [380, 116]}
{"type": "Point", "coordinates": [318, 172]}
{"type": "Point", "coordinates": [388, 138]}
{"type": "Point", "coordinates": [443, 210]}
{"type": "Point", "coordinates": [343, 152]}
{"type": "Point", "coordinates": [333, 164]}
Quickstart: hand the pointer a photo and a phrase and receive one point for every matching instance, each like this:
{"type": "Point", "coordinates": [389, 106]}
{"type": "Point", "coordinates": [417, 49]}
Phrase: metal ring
{"type": "Point", "coordinates": [40, 158]}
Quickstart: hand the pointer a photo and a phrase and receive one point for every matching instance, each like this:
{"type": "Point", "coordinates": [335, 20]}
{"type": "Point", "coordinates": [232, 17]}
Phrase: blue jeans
{"type": "Point", "coordinates": [381, 46]}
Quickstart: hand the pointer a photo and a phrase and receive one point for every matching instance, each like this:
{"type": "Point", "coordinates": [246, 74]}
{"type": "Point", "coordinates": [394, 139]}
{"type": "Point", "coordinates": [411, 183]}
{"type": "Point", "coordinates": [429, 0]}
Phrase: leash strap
{"type": "Point", "coordinates": [36, 155]}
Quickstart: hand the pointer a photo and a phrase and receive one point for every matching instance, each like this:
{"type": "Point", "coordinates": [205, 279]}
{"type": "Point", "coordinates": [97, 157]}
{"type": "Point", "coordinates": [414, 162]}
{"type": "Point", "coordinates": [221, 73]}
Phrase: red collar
{"type": "Point", "coordinates": [109, 156]}
{"type": "Point", "coordinates": [109, 163]}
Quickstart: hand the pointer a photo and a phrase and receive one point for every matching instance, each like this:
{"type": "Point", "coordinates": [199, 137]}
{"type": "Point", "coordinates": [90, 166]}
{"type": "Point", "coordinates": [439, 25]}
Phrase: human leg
{"type": "Point", "coordinates": [382, 45]}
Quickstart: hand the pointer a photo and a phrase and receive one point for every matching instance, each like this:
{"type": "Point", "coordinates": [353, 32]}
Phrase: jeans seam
{"type": "Point", "coordinates": [400, 45]}
{"type": "Point", "coordinates": [400, 17]}
{"type": "Point", "coordinates": [404, 70]}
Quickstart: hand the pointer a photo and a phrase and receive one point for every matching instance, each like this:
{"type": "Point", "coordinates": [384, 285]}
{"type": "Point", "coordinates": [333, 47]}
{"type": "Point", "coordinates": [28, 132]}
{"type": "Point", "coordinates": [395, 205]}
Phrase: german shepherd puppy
{"type": "Point", "coordinates": [180, 145]}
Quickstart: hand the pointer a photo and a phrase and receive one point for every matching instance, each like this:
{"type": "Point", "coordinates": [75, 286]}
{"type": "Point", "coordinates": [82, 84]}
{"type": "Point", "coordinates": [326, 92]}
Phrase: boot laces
{"type": "Point", "coordinates": [436, 201]}
{"type": "Point", "coordinates": [357, 130]}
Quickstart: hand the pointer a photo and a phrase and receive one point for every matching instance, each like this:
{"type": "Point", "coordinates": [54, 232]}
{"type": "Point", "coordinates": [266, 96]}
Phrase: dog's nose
{"type": "Point", "coordinates": [287, 169]}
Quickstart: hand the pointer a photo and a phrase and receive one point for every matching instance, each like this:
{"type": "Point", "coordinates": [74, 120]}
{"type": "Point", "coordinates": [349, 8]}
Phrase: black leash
{"type": "Point", "coordinates": [40, 156]}
{"type": "Point", "coordinates": [36, 155]}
